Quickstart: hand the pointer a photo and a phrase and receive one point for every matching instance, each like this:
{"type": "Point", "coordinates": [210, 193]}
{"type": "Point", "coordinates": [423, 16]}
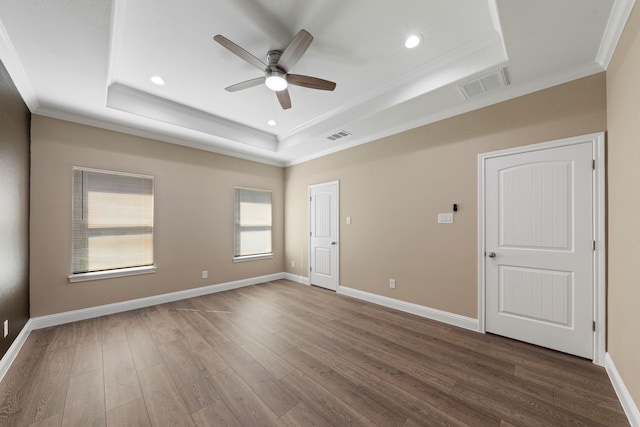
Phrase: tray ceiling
{"type": "Point", "coordinates": [91, 62]}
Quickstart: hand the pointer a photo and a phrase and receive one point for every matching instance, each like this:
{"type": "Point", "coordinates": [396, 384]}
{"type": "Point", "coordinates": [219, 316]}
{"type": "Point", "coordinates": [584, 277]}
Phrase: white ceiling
{"type": "Point", "coordinates": [91, 61]}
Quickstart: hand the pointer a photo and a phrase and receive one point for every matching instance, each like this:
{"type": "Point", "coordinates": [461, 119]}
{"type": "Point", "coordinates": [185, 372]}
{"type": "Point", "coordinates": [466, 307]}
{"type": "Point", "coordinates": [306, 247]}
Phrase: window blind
{"type": "Point", "coordinates": [252, 222]}
{"type": "Point", "coordinates": [112, 223]}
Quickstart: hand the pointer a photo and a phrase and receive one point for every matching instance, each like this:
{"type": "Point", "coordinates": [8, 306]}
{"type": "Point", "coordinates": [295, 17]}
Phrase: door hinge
{"type": "Point", "coordinates": [310, 198]}
{"type": "Point", "coordinates": [594, 245]}
{"type": "Point", "coordinates": [594, 326]}
{"type": "Point", "coordinates": [310, 268]}
{"type": "Point", "coordinates": [310, 233]}
{"type": "Point", "coordinates": [593, 164]}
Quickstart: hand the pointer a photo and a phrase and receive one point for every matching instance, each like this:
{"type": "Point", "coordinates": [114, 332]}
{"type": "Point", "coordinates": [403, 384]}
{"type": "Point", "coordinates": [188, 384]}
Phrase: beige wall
{"type": "Point", "coordinates": [393, 189]}
{"type": "Point", "coordinates": [623, 107]}
{"type": "Point", "coordinates": [194, 195]}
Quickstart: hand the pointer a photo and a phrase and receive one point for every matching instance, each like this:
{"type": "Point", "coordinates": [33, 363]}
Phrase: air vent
{"type": "Point", "coordinates": [484, 84]}
{"type": "Point", "coordinates": [341, 134]}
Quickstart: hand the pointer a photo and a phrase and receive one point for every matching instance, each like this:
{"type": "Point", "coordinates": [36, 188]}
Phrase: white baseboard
{"type": "Point", "coordinates": [418, 310]}
{"type": "Point", "coordinates": [629, 406]}
{"type": "Point", "coordinates": [119, 307]}
{"type": "Point", "coordinates": [295, 278]}
{"type": "Point", "coordinates": [14, 349]}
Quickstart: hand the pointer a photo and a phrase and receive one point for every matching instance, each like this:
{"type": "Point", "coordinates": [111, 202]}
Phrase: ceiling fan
{"type": "Point", "coordinates": [276, 70]}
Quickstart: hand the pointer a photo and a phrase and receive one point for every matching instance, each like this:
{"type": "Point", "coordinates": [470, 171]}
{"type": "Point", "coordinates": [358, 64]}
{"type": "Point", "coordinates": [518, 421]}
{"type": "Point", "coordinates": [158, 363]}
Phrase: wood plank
{"type": "Point", "coordinates": [120, 379]}
{"type": "Point", "coordinates": [112, 328]}
{"type": "Point", "coordinates": [196, 389]}
{"type": "Point", "coordinates": [161, 330]}
{"type": "Point", "coordinates": [45, 393]}
{"type": "Point", "coordinates": [519, 409]}
{"type": "Point", "coordinates": [132, 414]}
{"type": "Point", "coordinates": [324, 402]}
{"type": "Point", "coordinates": [85, 401]}
{"type": "Point", "coordinates": [209, 362]}
{"type": "Point", "coordinates": [164, 404]}
{"type": "Point", "coordinates": [257, 378]}
{"type": "Point", "coordinates": [86, 358]}
{"type": "Point", "coordinates": [144, 350]}
{"type": "Point", "coordinates": [243, 403]}
{"type": "Point", "coordinates": [269, 359]}
{"type": "Point", "coordinates": [303, 416]}
{"type": "Point", "coordinates": [355, 373]}
{"type": "Point", "coordinates": [379, 409]}
{"type": "Point", "coordinates": [216, 414]}
{"type": "Point", "coordinates": [53, 421]}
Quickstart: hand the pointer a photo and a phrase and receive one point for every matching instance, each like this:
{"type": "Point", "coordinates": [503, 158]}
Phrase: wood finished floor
{"type": "Point", "coordinates": [287, 354]}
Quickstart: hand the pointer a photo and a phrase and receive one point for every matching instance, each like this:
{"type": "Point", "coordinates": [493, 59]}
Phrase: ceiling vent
{"type": "Point", "coordinates": [484, 84]}
{"type": "Point", "coordinates": [341, 134]}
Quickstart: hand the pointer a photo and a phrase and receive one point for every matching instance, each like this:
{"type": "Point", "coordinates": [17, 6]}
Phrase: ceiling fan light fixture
{"type": "Point", "coordinates": [413, 41]}
{"type": "Point", "coordinates": [276, 80]}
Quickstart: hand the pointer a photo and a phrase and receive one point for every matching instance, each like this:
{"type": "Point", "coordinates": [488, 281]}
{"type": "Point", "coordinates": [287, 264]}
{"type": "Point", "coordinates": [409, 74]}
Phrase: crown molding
{"type": "Point", "coordinates": [613, 31]}
{"type": "Point", "coordinates": [195, 140]}
{"type": "Point", "coordinates": [134, 101]}
{"type": "Point", "coordinates": [12, 63]}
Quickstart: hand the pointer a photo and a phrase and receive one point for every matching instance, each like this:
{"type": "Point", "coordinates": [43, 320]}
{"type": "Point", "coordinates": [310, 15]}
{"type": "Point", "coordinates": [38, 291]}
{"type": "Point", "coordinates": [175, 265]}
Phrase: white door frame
{"type": "Point", "coordinates": [599, 254]}
{"type": "Point", "coordinates": [337, 183]}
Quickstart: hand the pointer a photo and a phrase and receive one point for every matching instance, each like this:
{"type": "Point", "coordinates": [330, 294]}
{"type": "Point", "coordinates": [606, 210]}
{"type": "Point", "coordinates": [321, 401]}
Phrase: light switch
{"type": "Point", "coordinates": [348, 220]}
{"type": "Point", "coordinates": [445, 218]}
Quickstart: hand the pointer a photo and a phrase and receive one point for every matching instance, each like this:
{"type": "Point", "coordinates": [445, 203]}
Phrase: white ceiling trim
{"type": "Point", "coordinates": [130, 100]}
{"type": "Point", "coordinates": [477, 56]}
{"type": "Point", "coordinates": [613, 31]}
{"type": "Point", "coordinates": [118, 10]}
{"type": "Point", "coordinates": [14, 67]}
{"type": "Point", "coordinates": [497, 26]}
{"type": "Point", "coordinates": [510, 92]}
{"type": "Point", "coordinates": [195, 140]}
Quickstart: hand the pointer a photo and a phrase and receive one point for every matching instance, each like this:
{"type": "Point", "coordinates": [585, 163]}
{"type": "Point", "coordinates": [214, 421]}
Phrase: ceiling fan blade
{"type": "Point", "coordinates": [284, 99]}
{"type": "Point", "coordinates": [310, 82]}
{"type": "Point", "coordinates": [237, 50]}
{"type": "Point", "coordinates": [294, 51]}
{"type": "Point", "coordinates": [245, 85]}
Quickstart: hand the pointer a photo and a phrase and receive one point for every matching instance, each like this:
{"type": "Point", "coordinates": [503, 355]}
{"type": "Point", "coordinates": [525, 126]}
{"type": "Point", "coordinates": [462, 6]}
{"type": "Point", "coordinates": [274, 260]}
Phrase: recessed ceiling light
{"type": "Point", "coordinates": [272, 123]}
{"type": "Point", "coordinates": [157, 80]}
{"type": "Point", "coordinates": [412, 41]}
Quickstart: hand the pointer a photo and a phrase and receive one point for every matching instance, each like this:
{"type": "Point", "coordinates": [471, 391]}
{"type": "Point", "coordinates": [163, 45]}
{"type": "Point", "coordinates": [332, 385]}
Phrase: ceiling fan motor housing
{"type": "Point", "coordinates": [273, 57]}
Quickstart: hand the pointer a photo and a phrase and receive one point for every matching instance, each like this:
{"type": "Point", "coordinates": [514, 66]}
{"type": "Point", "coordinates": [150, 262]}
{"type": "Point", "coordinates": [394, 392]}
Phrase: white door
{"type": "Point", "coordinates": [539, 247]}
{"type": "Point", "coordinates": [323, 235]}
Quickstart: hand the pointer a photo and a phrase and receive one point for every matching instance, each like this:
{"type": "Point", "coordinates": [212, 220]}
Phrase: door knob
{"type": "Point", "coordinates": [491, 254]}
{"type": "Point", "coordinates": [333, 243]}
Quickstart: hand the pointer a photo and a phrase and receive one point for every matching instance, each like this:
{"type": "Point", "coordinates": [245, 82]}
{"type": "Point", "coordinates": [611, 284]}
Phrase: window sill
{"type": "Point", "coordinates": [109, 274]}
{"type": "Point", "coordinates": [251, 257]}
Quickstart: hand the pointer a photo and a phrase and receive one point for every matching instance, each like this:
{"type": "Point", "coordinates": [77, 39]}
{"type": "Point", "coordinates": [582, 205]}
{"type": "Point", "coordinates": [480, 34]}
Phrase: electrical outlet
{"type": "Point", "coordinates": [392, 283]}
{"type": "Point", "coordinates": [205, 274]}
{"type": "Point", "coordinates": [293, 264]}
{"type": "Point", "coordinates": [6, 328]}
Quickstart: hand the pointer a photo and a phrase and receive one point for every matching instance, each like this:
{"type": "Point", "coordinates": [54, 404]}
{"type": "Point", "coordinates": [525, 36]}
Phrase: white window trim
{"type": "Point", "coordinates": [109, 274]}
{"type": "Point", "coordinates": [246, 258]}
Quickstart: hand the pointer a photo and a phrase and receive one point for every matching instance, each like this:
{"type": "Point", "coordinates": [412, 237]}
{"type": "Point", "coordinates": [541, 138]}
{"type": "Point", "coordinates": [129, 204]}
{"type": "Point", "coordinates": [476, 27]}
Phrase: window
{"type": "Point", "coordinates": [112, 225]}
{"type": "Point", "coordinates": [252, 224]}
